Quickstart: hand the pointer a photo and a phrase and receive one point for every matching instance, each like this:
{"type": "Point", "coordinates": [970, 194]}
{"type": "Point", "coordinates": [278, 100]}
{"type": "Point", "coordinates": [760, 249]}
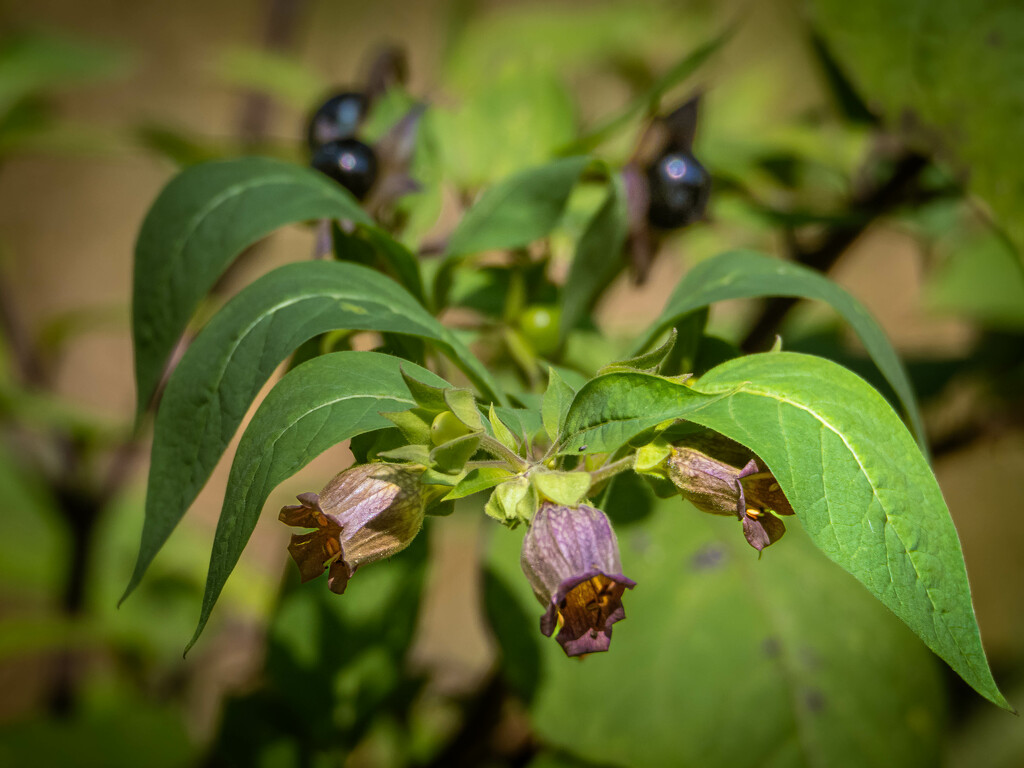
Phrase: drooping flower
{"type": "Point", "coordinates": [364, 514]}
{"type": "Point", "coordinates": [571, 559]}
{"type": "Point", "coordinates": [721, 477]}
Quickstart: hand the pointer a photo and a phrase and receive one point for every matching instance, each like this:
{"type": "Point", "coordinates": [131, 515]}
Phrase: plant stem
{"type": "Point", "coordinates": [495, 448]}
{"type": "Point", "coordinates": [610, 470]}
{"type": "Point", "coordinates": [497, 464]}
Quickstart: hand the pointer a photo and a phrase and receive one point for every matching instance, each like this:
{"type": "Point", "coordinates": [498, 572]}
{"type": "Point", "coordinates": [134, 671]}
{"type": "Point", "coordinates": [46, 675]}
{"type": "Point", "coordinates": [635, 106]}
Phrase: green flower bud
{"type": "Point", "coordinates": [364, 514]}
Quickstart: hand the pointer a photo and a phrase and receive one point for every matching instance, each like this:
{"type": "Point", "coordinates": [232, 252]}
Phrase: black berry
{"type": "Point", "coordinates": [349, 162]}
{"type": "Point", "coordinates": [337, 118]}
{"type": "Point", "coordinates": [679, 188]}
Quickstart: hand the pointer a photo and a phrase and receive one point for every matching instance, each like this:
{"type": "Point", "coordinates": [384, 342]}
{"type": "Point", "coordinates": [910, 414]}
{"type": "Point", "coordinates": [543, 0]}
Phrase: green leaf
{"type": "Point", "coordinates": [200, 222]}
{"type": "Point", "coordinates": [399, 260]}
{"type": "Point", "coordinates": [611, 410]}
{"type": "Point", "coordinates": [414, 424]}
{"type": "Point", "coordinates": [36, 63]}
{"type": "Point", "coordinates": [511, 214]}
{"type": "Point", "coordinates": [744, 274]}
{"type": "Point", "coordinates": [524, 422]}
{"type": "Point", "coordinates": [952, 72]}
{"type": "Point", "coordinates": [272, 73]}
{"type": "Point", "coordinates": [221, 373]}
{"type": "Point", "coordinates": [427, 397]}
{"type": "Point", "coordinates": [537, 116]}
{"type": "Point", "coordinates": [724, 661]}
{"type": "Point", "coordinates": [647, 362]}
{"type": "Point", "coordinates": [860, 486]}
{"type": "Point", "coordinates": [567, 488]}
{"type": "Point", "coordinates": [598, 258]}
{"type": "Point", "coordinates": [462, 403]}
{"type": "Point", "coordinates": [981, 280]}
{"type": "Point", "coordinates": [453, 455]}
{"type": "Point", "coordinates": [476, 480]}
{"type": "Point", "coordinates": [314, 407]}
{"type": "Point", "coordinates": [502, 433]}
{"type": "Point", "coordinates": [518, 210]}
{"type": "Point", "coordinates": [557, 399]}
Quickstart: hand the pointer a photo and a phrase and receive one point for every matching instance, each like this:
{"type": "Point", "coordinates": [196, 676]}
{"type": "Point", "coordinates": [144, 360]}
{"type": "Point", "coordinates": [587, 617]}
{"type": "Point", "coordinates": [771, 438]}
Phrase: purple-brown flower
{"type": "Point", "coordinates": [571, 559]}
{"type": "Point", "coordinates": [721, 477]}
{"type": "Point", "coordinates": [364, 514]}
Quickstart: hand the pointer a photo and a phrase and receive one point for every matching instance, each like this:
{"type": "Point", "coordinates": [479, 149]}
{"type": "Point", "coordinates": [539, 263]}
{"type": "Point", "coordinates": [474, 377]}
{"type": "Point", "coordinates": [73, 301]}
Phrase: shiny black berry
{"type": "Point", "coordinates": [679, 188]}
{"type": "Point", "coordinates": [349, 162]}
{"type": "Point", "coordinates": [337, 118]}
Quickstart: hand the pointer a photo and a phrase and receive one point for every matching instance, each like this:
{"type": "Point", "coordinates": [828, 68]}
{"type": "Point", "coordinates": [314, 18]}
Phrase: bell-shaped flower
{"type": "Point", "coordinates": [721, 477]}
{"type": "Point", "coordinates": [364, 514]}
{"type": "Point", "coordinates": [571, 559]}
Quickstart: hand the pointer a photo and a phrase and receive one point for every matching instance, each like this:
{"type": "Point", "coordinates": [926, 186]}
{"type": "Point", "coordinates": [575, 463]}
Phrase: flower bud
{"type": "Point", "coordinates": [571, 559]}
{"type": "Point", "coordinates": [364, 514]}
{"type": "Point", "coordinates": [721, 477]}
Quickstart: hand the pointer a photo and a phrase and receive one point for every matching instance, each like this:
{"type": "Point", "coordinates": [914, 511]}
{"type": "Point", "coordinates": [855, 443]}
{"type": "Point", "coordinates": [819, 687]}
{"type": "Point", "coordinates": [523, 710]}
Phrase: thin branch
{"type": "Point", "coordinates": [610, 470]}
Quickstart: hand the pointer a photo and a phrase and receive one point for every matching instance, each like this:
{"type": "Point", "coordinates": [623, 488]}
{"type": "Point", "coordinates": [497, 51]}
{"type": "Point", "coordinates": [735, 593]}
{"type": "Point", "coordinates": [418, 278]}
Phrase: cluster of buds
{"type": "Point", "coordinates": [721, 477]}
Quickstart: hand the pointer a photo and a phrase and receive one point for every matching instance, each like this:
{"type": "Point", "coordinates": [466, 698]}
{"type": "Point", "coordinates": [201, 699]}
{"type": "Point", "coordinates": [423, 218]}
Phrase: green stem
{"type": "Point", "coordinates": [496, 448]}
{"type": "Point", "coordinates": [610, 470]}
{"type": "Point", "coordinates": [497, 464]}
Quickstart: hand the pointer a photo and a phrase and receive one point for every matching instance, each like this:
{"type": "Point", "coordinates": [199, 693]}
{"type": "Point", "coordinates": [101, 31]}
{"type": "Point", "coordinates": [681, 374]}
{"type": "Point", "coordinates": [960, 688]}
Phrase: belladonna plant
{"type": "Point", "coordinates": [755, 437]}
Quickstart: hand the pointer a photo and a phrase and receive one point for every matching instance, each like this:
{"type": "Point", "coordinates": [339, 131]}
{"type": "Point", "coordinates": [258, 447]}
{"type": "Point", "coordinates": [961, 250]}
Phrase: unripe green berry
{"type": "Point", "coordinates": [446, 427]}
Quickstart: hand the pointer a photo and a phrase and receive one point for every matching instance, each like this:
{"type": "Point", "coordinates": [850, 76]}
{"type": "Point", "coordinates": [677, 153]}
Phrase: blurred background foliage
{"type": "Point", "coordinates": [880, 142]}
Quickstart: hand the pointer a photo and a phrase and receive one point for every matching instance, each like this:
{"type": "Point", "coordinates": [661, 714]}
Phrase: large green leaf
{"type": "Point", "coordinates": [725, 661]}
{"type": "Point", "coordinates": [848, 466]}
{"type": "Point", "coordinates": [860, 486]}
{"type": "Point", "coordinates": [315, 406]}
{"type": "Point", "coordinates": [745, 274]}
{"type": "Point", "coordinates": [223, 370]}
{"type": "Point", "coordinates": [197, 226]}
{"type": "Point", "coordinates": [949, 70]}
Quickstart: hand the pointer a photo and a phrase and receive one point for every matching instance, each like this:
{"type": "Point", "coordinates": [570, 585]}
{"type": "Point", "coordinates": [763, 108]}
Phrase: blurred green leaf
{"type": "Point", "coordinates": [274, 74]}
{"type": "Point", "coordinates": [950, 73]}
{"type": "Point", "coordinates": [981, 280]}
{"type": "Point", "coordinates": [727, 661]}
{"type": "Point", "coordinates": [40, 62]}
{"type": "Point", "coordinates": [745, 274]}
{"type": "Point", "coordinates": [313, 407]}
{"type": "Point", "coordinates": [335, 668]}
{"type": "Point", "coordinates": [518, 210]}
{"type": "Point", "coordinates": [123, 734]}
{"type": "Point", "coordinates": [516, 120]}
{"type": "Point", "coordinates": [197, 226]}
{"type": "Point", "coordinates": [34, 542]}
